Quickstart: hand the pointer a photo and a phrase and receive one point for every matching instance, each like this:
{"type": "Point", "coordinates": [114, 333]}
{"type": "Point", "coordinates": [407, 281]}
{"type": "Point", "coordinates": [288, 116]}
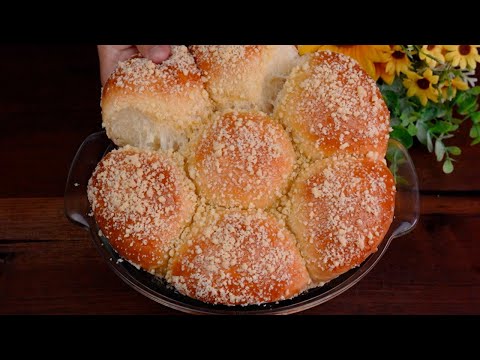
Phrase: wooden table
{"type": "Point", "coordinates": [49, 102]}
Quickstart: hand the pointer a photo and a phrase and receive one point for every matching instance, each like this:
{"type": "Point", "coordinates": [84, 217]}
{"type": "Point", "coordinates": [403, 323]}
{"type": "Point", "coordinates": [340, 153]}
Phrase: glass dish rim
{"type": "Point", "coordinates": [93, 149]}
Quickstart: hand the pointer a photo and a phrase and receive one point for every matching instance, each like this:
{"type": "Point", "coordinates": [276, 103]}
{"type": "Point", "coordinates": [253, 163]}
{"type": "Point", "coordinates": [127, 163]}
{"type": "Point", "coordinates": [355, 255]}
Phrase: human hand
{"type": "Point", "coordinates": [110, 55]}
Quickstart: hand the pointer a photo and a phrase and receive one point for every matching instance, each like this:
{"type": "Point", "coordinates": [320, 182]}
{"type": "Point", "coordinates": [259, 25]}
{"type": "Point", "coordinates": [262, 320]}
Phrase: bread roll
{"type": "Point", "coordinates": [217, 233]}
{"type": "Point", "coordinates": [244, 76]}
{"type": "Point", "coordinates": [154, 106]}
{"type": "Point", "coordinates": [242, 159]}
{"type": "Point", "coordinates": [237, 257]}
{"type": "Point", "coordinates": [332, 106]}
{"type": "Point", "coordinates": [141, 201]}
{"type": "Point", "coordinates": [342, 208]}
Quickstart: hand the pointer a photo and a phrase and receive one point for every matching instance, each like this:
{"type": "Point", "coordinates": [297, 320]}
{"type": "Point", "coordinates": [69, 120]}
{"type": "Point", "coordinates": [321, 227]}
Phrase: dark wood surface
{"type": "Point", "coordinates": [49, 102]}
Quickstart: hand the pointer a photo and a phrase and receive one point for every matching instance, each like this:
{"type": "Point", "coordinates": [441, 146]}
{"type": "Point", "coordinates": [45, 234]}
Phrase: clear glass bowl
{"type": "Point", "coordinates": [77, 208]}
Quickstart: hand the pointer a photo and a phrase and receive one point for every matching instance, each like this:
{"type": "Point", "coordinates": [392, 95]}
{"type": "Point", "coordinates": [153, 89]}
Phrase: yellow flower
{"type": "Point", "coordinates": [435, 51]}
{"type": "Point", "coordinates": [397, 61]}
{"type": "Point", "coordinates": [462, 55]}
{"type": "Point", "coordinates": [454, 84]}
{"type": "Point", "coordinates": [380, 69]}
{"type": "Point", "coordinates": [366, 55]}
{"type": "Point", "coordinates": [421, 85]}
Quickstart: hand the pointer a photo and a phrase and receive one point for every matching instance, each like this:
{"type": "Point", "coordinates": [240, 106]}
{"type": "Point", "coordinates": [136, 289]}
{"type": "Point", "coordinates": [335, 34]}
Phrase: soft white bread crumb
{"type": "Point", "coordinates": [154, 106]}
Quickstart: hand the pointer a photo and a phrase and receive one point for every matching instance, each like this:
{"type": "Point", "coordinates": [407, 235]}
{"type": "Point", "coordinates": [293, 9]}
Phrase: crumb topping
{"type": "Point", "coordinates": [216, 61]}
{"type": "Point", "coordinates": [340, 210]}
{"type": "Point", "coordinates": [226, 57]}
{"type": "Point", "coordinates": [140, 199]}
{"type": "Point", "coordinates": [330, 103]}
{"type": "Point", "coordinates": [238, 257]}
{"type": "Point", "coordinates": [174, 75]}
{"type": "Point", "coordinates": [244, 77]}
{"type": "Point", "coordinates": [242, 158]}
{"type": "Point", "coordinates": [241, 236]}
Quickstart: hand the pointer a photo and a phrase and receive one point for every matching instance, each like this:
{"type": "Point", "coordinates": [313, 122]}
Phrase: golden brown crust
{"type": "Point", "coordinates": [237, 250]}
{"type": "Point", "coordinates": [140, 75]}
{"type": "Point", "coordinates": [244, 77]}
{"type": "Point", "coordinates": [141, 201]}
{"type": "Point", "coordinates": [341, 208]}
{"type": "Point", "coordinates": [242, 159]}
{"type": "Point", "coordinates": [238, 257]}
{"type": "Point", "coordinates": [333, 106]}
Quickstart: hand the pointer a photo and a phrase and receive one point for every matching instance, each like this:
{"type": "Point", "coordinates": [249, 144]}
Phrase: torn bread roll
{"type": "Point", "coordinates": [155, 106]}
{"type": "Point", "coordinates": [244, 76]}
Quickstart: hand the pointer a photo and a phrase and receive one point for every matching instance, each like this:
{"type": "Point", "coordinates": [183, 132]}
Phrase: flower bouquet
{"type": "Point", "coordinates": [429, 89]}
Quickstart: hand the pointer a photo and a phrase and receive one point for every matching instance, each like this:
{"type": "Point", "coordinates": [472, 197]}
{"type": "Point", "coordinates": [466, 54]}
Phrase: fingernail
{"type": "Point", "coordinates": [159, 53]}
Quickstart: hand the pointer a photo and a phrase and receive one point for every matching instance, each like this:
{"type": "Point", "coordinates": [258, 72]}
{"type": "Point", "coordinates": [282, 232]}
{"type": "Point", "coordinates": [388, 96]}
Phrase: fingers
{"type": "Point", "coordinates": [156, 53]}
{"type": "Point", "coordinates": [110, 55]}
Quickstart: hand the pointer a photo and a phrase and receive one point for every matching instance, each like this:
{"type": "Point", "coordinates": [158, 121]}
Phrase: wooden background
{"type": "Point", "coordinates": [49, 102]}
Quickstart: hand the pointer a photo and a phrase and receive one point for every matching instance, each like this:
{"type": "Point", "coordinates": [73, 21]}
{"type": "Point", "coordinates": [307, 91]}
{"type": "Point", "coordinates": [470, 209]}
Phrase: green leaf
{"type": "Point", "coordinates": [475, 117]}
{"type": "Point", "coordinates": [454, 150]}
{"type": "Point", "coordinates": [402, 135]}
{"type": "Point", "coordinates": [462, 97]}
{"type": "Point", "coordinates": [421, 132]}
{"type": "Point", "coordinates": [444, 112]}
{"type": "Point", "coordinates": [412, 129]}
{"type": "Point", "coordinates": [447, 166]}
{"type": "Point", "coordinates": [393, 154]}
{"type": "Point", "coordinates": [429, 141]}
{"type": "Point", "coordinates": [406, 112]}
{"type": "Point", "coordinates": [442, 127]}
{"type": "Point", "coordinates": [449, 92]}
{"type": "Point", "coordinates": [394, 121]}
{"type": "Point", "coordinates": [476, 141]}
{"type": "Point", "coordinates": [475, 90]}
{"type": "Point", "coordinates": [467, 105]}
{"type": "Point", "coordinates": [428, 113]}
{"type": "Point", "coordinates": [391, 98]}
{"type": "Point", "coordinates": [400, 180]}
{"type": "Point", "coordinates": [439, 149]}
{"type": "Point", "coordinates": [474, 131]}
{"type": "Point", "coordinates": [405, 120]}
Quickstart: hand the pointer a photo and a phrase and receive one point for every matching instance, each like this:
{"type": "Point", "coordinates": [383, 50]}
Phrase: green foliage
{"type": "Point", "coordinates": [403, 135]}
{"type": "Point", "coordinates": [436, 121]}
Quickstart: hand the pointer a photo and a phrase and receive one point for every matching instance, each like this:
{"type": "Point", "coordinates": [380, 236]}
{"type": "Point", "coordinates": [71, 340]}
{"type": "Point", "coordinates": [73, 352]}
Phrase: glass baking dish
{"type": "Point", "coordinates": [77, 209]}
